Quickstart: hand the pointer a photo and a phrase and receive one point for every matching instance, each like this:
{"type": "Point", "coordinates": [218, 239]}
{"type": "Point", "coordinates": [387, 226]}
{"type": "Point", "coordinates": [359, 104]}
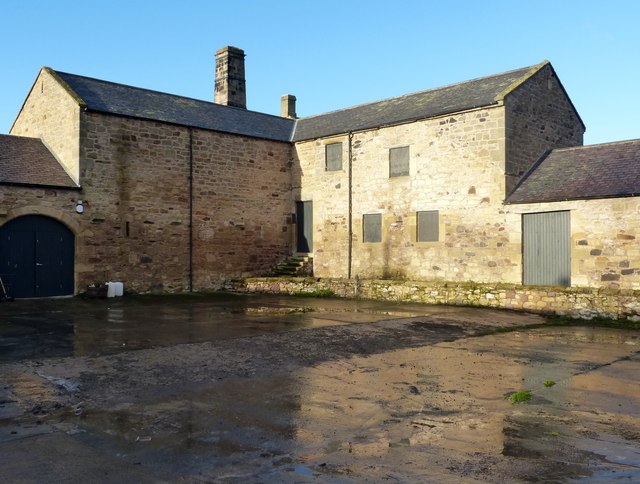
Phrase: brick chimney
{"type": "Point", "coordinates": [288, 106]}
{"type": "Point", "coordinates": [230, 87]}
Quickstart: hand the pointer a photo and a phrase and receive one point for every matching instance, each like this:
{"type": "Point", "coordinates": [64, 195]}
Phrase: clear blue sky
{"type": "Point", "coordinates": [331, 54]}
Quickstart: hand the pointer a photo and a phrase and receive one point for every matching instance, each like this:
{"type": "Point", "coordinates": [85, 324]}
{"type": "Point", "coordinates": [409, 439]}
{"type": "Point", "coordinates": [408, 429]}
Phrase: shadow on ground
{"type": "Point", "coordinates": [231, 388]}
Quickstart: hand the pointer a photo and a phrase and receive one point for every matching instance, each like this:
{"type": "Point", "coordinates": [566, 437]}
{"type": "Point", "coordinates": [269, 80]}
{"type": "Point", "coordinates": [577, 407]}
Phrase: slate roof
{"type": "Point", "coordinates": [596, 171]}
{"type": "Point", "coordinates": [113, 98]}
{"type": "Point", "coordinates": [425, 104]}
{"type": "Point", "coordinates": [109, 97]}
{"type": "Point", "coordinates": [27, 161]}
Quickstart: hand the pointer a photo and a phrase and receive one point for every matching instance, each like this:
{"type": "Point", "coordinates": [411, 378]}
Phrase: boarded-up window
{"type": "Point", "coordinates": [372, 227]}
{"type": "Point", "coordinates": [428, 226]}
{"type": "Point", "coordinates": [333, 156]}
{"type": "Point", "coordinates": [399, 161]}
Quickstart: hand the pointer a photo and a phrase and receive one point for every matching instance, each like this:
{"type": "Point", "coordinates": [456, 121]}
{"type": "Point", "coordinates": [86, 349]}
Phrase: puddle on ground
{"type": "Point", "coordinates": [433, 413]}
{"type": "Point", "coordinates": [77, 327]}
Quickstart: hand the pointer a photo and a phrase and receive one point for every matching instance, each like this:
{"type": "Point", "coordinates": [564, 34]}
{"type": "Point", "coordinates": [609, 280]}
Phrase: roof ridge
{"type": "Point", "coordinates": [433, 89]}
{"type": "Point", "coordinates": [129, 86]}
{"type": "Point", "coordinates": [607, 143]}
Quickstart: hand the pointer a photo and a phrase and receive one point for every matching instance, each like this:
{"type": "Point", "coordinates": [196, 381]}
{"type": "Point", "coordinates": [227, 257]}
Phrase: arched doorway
{"type": "Point", "coordinates": [37, 257]}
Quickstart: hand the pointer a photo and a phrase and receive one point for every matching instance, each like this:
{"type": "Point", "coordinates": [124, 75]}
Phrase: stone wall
{"type": "Point", "coordinates": [329, 191]}
{"type": "Point", "coordinates": [135, 179]}
{"type": "Point", "coordinates": [135, 187]}
{"type": "Point", "coordinates": [604, 239]}
{"type": "Point", "coordinates": [575, 302]}
{"type": "Point", "coordinates": [51, 113]}
{"type": "Point", "coordinates": [539, 117]}
{"type": "Point", "coordinates": [242, 206]}
{"type": "Point", "coordinates": [456, 167]}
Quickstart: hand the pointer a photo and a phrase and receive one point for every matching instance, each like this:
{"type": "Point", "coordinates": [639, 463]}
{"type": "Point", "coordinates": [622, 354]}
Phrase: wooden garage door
{"type": "Point", "coordinates": [37, 257]}
{"type": "Point", "coordinates": [546, 248]}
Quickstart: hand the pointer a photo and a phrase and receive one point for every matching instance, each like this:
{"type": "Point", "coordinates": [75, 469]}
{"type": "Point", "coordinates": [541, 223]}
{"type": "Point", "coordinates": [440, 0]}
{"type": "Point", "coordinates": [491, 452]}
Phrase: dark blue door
{"type": "Point", "coordinates": [36, 257]}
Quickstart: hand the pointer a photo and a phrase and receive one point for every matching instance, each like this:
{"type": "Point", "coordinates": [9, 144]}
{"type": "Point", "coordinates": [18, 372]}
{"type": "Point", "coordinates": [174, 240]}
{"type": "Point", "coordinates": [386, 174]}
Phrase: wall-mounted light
{"type": "Point", "coordinates": [79, 206]}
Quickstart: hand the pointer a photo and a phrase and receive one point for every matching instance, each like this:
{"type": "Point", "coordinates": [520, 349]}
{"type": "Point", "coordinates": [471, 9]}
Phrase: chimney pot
{"type": "Point", "coordinates": [230, 88]}
{"type": "Point", "coordinates": [288, 106]}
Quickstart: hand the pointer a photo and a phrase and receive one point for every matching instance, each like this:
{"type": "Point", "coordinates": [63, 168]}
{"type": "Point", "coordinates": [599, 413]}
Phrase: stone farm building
{"type": "Point", "coordinates": [486, 180]}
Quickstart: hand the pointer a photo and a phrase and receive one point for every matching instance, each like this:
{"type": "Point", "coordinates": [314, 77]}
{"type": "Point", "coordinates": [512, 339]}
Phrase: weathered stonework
{"type": "Point", "coordinates": [539, 117]}
{"type": "Point", "coordinates": [135, 178]}
{"type": "Point", "coordinates": [230, 87]}
{"type": "Point", "coordinates": [144, 236]}
{"type": "Point", "coordinates": [456, 167]}
{"type": "Point", "coordinates": [174, 208]}
{"type": "Point", "coordinates": [329, 191]}
{"type": "Point", "coordinates": [51, 113]}
{"type": "Point", "coordinates": [242, 206]}
{"type": "Point", "coordinates": [584, 303]}
{"type": "Point", "coordinates": [604, 239]}
{"type": "Point", "coordinates": [461, 165]}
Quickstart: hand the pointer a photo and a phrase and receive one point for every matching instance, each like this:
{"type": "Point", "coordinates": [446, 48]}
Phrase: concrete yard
{"type": "Point", "coordinates": [227, 388]}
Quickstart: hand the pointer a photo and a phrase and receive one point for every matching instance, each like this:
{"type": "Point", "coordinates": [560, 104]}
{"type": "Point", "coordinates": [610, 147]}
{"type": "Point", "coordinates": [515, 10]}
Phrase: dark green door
{"type": "Point", "coordinates": [304, 224]}
{"type": "Point", "coordinates": [37, 257]}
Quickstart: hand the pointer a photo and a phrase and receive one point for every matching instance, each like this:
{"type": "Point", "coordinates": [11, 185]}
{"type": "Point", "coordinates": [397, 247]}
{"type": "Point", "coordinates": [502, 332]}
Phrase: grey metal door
{"type": "Point", "coordinates": [546, 248]}
{"type": "Point", "coordinates": [304, 224]}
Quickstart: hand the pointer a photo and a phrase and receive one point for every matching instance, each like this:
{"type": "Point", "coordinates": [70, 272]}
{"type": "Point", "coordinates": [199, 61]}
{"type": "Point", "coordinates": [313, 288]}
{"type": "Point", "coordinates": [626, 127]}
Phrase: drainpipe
{"type": "Point", "coordinates": [190, 210]}
{"type": "Point", "coordinates": [350, 235]}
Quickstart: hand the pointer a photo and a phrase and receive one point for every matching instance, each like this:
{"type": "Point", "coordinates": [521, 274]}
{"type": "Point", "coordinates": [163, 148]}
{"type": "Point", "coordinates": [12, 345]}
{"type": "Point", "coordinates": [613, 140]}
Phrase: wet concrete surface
{"type": "Point", "coordinates": [231, 388]}
{"type": "Point", "coordinates": [79, 327]}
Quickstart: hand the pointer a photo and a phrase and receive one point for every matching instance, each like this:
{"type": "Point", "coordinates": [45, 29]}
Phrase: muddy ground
{"type": "Point", "coordinates": [272, 389]}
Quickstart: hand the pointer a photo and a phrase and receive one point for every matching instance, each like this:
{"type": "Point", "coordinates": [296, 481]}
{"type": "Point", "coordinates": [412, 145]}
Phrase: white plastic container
{"type": "Point", "coordinates": [115, 289]}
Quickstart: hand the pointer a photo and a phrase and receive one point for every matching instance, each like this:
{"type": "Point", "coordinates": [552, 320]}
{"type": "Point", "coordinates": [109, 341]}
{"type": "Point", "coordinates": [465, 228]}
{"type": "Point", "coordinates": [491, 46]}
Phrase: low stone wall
{"type": "Point", "coordinates": [577, 302]}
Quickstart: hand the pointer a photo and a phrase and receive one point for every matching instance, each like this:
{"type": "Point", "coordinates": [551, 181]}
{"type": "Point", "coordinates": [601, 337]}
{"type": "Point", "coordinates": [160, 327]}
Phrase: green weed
{"type": "Point", "coordinates": [520, 396]}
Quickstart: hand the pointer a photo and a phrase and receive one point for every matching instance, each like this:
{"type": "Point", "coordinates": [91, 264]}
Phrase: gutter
{"type": "Point", "coordinates": [576, 199]}
{"type": "Point", "coordinates": [392, 124]}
